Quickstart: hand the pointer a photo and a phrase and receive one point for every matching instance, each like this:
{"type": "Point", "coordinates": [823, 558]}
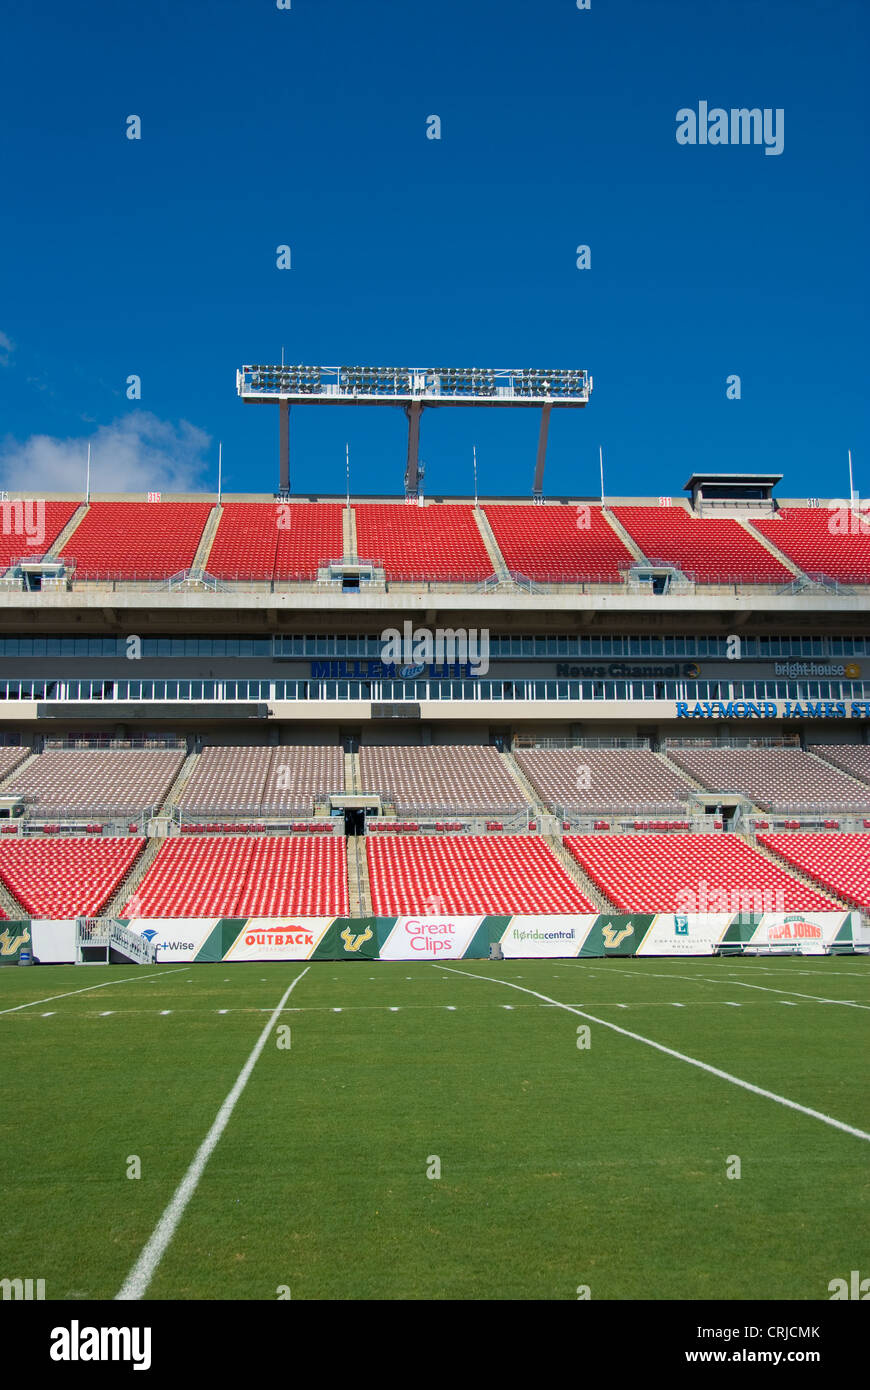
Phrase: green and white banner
{"type": "Point", "coordinates": [442, 937]}
{"type": "Point", "coordinates": [15, 937]}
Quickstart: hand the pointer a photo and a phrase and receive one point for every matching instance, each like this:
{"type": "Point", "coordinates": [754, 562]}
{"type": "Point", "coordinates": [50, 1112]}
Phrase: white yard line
{"type": "Point", "coordinates": [740, 984]}
{"type": "Point", "coordinates": [140, 1276]}
{"type": "Point", "coordinates": [87, 989]}
{"type": "Point", "coordinates": [670, 1052]}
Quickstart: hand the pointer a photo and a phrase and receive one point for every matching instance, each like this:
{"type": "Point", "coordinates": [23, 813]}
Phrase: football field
{"type": "Point", "coordinates": [413, 1130]}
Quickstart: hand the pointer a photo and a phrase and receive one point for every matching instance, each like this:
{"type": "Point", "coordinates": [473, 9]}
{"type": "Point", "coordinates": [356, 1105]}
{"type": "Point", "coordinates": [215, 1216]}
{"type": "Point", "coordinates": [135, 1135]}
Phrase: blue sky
{"type": "Point", "coordinates": [262, 127]}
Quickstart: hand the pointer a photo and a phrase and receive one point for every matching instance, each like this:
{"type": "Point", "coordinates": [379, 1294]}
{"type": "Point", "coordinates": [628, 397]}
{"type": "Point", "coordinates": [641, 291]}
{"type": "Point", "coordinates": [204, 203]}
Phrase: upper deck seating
{"type": "Point", "coordinates": [555, 543]}
{"type": "Point", "coordinates": [137, 540]}
{"type": "Point", "coordinates": [275, 540]}
{"type": "Point", "coordinates": [775, 779]}
{"type": "Point", "coordinates": [440, 777]}
{"type": "Point", "coordinates": [707, 548]}
{"type": "Point", "coordinates": [98, 782]}
{"type": "Point", "coordinates": [28, 528]}
{"type": "Point", "coordinates": [262, 781]}
{"type": "Point", "coordinates": [834, 542]}
{"type": "Point", "coordinates": [438, 541]}
{"type": "Point", "coordinates": [604, 779]}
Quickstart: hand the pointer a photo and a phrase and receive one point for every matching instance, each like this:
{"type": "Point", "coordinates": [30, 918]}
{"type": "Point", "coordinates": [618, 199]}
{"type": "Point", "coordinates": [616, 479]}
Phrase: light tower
{"type": "Point", "coordinates": [414, 389]}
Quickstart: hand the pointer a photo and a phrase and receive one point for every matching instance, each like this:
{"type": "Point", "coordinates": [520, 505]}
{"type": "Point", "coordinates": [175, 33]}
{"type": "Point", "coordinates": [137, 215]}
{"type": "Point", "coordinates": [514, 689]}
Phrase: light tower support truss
{"type": "Point", "coordinates": [414, 389]}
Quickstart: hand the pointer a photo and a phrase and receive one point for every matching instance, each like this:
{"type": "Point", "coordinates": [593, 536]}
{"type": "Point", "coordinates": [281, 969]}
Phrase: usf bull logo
{"type": "Point", "coordinates": [614, 936]}
{"type": "Point", "coordinates": [353, 943]}
{"type": "Point", "coordinates": [9, 945]}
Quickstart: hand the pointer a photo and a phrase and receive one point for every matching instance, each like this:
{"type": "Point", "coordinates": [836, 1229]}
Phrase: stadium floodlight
{"type": "Point", "coordinates": [414, 389]}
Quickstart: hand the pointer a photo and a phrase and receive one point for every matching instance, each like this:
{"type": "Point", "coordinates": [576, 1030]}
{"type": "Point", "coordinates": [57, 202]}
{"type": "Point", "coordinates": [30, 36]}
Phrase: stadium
{"type": "Point", "coordinates": [609, 755]}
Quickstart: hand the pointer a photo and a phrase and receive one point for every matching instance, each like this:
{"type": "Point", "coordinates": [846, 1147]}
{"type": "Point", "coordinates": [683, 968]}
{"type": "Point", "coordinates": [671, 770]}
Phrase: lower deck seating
{"type": "Point", "coordinates": [469, 875]}
{"type": "Point", "coordinates": [691, 873]}
{"type": "Point", "coordinates": [236, 876]}
{"type": "Point", "coordinates": [839, 862]}
{"type": "Point", "coordinates": [66, 877]}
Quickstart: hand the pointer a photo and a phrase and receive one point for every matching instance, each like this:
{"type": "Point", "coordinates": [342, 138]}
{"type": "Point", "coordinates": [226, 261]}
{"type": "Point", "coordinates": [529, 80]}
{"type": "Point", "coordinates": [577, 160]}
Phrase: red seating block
{"type": "Point", "coordinates": [840, 863]}
{"type": "Point", "coordinates": [235, 876]}
{"type": "Point", "coordinates": [67, 877]}
{"type": "Point", "coordinates": [137, 540]}
{"type": "Point", "coordinates": [469, 874]}
{"type": "Point", "coordinates": [823, 541]}
{"type": "Point", "coordinates": [553, 544]}
{"type": "Point", "coordinates": [438, 541]}
{"type": "Point", "coordinates": [685, 873]}
{"type": "Point", "coordinates": [708, 548]}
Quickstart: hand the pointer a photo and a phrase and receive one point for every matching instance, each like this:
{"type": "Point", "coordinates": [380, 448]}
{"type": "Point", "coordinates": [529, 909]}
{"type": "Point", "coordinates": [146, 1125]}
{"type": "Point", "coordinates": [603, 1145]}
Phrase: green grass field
{"type": "Point", "coordinates": [560, 1167]}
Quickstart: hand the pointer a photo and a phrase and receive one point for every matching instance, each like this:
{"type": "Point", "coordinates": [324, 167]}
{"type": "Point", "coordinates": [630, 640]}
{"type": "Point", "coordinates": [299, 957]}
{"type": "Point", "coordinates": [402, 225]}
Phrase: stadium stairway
{"type": "Point", "coordinates": [359, 887]}
{"type": "Point", "coordinates": [487, 535]}
{"type": "Point", "coordinates": [779, 555]}
{"type": "Point", "coordinates": [687, 776]}
{"type": "Point", "coordinates": [799, 874]}
{"type": "Point", "coordinates": [575, 870]}
{"type": "Point", "coordinates": [134, 877]}
{"type": "Point", "coordinates": [206, 540]}
{"type": "Point", "coordinates": [181, 781]}
{"type": "Point", "coordinates": [628, 541]}
{"type": "Point", "coordinates": [10, 905]}
{"type": "Point", "coordinates": [348, 531]}
{"type": "Point", "coordinates": [351, 773]}
{"type": "Point", "coordinates": [859, 786]}
{"type": "Point", "coordinates": [536, 805]}
{"type": "Point", "coordinates": [72, 525]}
{"type": "Point", "coordinates": [17, 770]}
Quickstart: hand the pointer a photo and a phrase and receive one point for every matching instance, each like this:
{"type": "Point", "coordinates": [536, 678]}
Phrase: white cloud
{"type": "Point", "coordinates": [137, 453]}
{"type": "Point", "coordinates": [7, 347]}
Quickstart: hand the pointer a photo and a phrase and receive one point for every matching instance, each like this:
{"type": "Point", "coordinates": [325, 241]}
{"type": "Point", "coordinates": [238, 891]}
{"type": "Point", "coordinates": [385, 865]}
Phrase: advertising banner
{"type": "Point", "coordinates": [177, 939]}
{"type": "Point", "coordinates": [812, 932]}
{"type": "Point", "coordinates": [678, 934]}
{"type": "Point", "coordinates": [266, 938]}
{"type": "Point", "coordinates": [440, 936]}
{"type": "Point", "coordinates": [545, 936]}
{"type": "Point", "coordinates": [15, 937]}
{"type": "Point", "coordinates": [435, 937]}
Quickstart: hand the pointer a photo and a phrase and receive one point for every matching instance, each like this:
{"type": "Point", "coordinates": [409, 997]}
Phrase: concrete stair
{"type": "Point", "coordinates": [799, 874]}
{"type": "Point", "coordinates": [351, 774]}
{"type": "Point", "coordinates": [359, 887]}
{"type": "Point", "coordinates": [499, 566]}
{"type": "Point", "coordinates": [348, 529]}
{"type": "Point", "coordinates": [769, 546]}
{"type": "Point", "coordinates": [10, 905]}
{"type": "Point", "coordinates": [184, 775]}
{"type": "Point", "coordinates": [623, 535]}
{"type": "Point", "coordinates": [77, 516]}
{"type": "Point", "coordinates": [575, 871]}
{"type": "Point", "coordinates": [17, 771]}
{"type": "Point", "coordinates": [686, 776]}
{"type": "Point", "coordinates": [134, 877]}
{"type": "Point", "coordinates": [206, 540]}
{"type": "Point", "coordinates": [536, 805]}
